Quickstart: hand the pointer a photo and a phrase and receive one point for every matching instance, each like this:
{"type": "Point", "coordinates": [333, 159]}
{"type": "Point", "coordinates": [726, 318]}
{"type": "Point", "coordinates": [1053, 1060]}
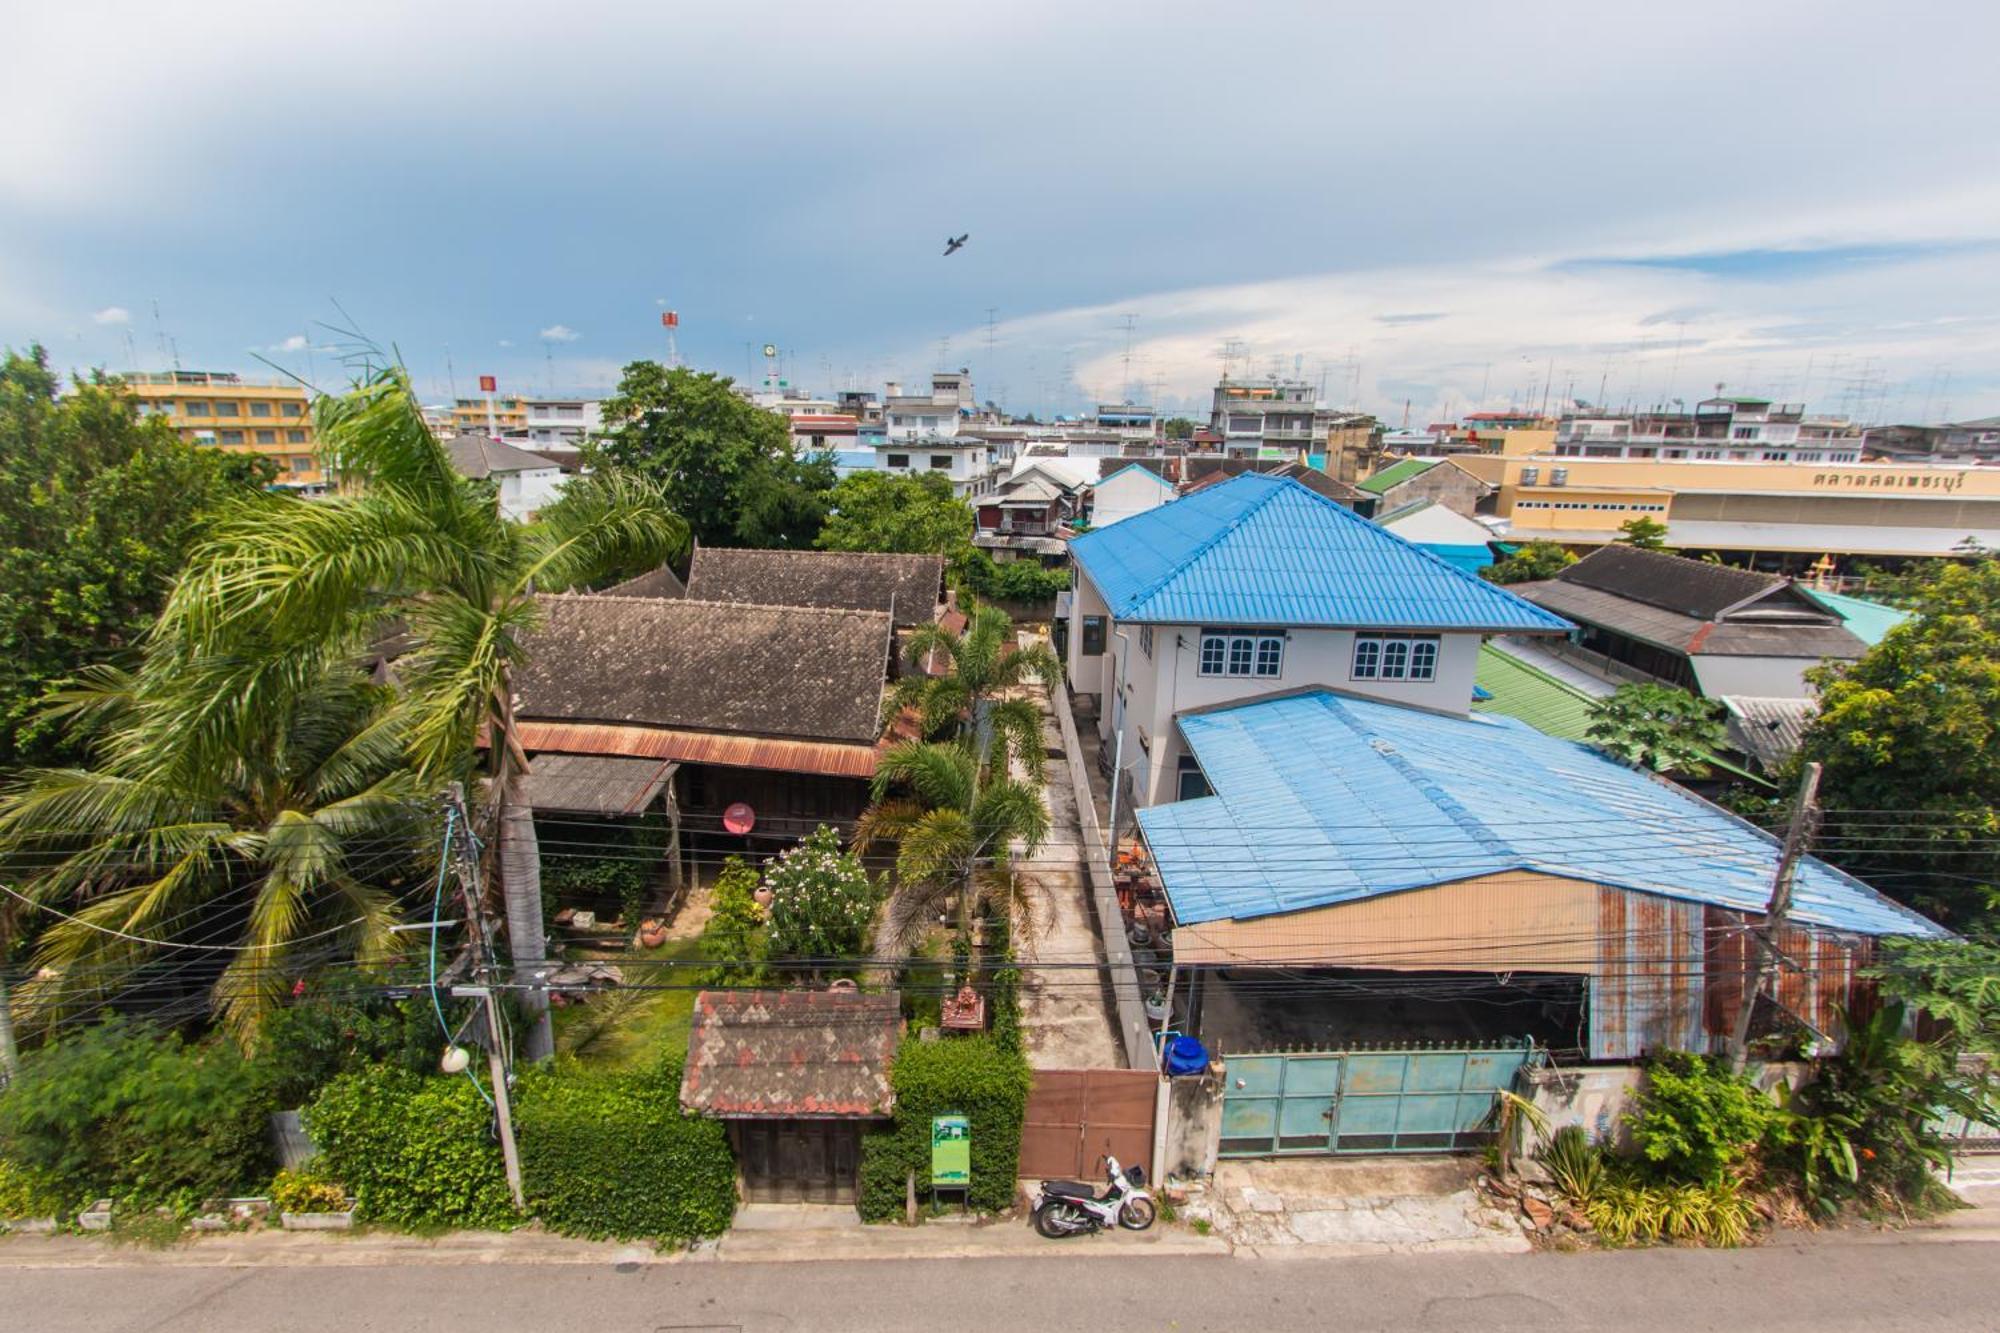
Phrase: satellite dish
{"type": "Point", "coordinates": [770, 349]}
{"type": "Point", "coordinates": [739, 818]}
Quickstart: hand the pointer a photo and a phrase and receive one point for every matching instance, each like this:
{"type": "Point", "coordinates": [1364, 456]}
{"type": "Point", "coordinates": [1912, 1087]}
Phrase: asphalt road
{"type": "Point", "coordinates": [1819, 1286]}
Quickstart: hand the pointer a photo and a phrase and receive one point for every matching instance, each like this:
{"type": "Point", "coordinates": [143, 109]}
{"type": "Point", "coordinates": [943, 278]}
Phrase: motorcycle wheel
{"type": "Point", "coordinates": [1137, 1214]}
{"type": "Point", "coordinates": [1055, 1221]}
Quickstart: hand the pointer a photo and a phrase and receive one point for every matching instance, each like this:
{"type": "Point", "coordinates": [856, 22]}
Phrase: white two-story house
{"type": "Point", "coordinates": [1258, 586]}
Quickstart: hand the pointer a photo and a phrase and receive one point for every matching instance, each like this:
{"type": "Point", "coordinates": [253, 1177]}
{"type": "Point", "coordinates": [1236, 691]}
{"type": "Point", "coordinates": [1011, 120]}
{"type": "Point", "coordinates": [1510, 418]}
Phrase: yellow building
{"type": "Point", "coordinates": [510, 415]}
{"type": "Point", "coordinates": [268, 417]}
{"type": "Point", "coordinates": [1812, 508]}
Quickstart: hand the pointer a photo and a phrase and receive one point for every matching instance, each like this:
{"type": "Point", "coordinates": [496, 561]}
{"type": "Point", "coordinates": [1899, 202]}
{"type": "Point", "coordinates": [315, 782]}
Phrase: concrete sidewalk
{"type": "Point", "coordinates": [764, 1239]}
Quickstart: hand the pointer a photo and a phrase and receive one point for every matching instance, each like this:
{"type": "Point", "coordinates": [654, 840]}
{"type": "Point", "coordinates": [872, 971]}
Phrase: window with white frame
{"type": "Point", "coordinates": [1395, 657]}
{"type": "Point", "coordinates": [1146, 640]}
{"type": "Point", "coordinates": [1226, 652]}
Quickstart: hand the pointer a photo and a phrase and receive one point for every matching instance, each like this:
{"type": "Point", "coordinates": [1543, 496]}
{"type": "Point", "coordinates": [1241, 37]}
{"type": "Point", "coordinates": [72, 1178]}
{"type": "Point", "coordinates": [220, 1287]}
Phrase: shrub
{"type": "Point", "coordinates": [307, 1191]}
{"type": "Point", "coordinates": [978, 1077]}
{"type": "Point", "coordinates": [1713, 1214]}
{"type": "Point", "coordinates": [119, 1110]}
{"type": "Point", "coordinates": [417, 1152]}
{"type": "Point", "coordinates": [612, 1156]}
{"type": "Point", "coordinates": [1573, 1162]}
{"type": "Point", "coordinates": [821, 899]}
{"type": "Point", "coordinates": [29, 1193]}
{"type": "Point", "coordinates": [730, 941]}
{"type": "Point", "coordinates": [303, 1047]}
{"type": "Point", "coordinates": [1695, 1119]}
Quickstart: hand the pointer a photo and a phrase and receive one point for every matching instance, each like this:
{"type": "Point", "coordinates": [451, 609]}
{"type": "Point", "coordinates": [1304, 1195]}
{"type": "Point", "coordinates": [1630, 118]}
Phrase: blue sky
{"type": "Point", "coordinates": [1452, 205]}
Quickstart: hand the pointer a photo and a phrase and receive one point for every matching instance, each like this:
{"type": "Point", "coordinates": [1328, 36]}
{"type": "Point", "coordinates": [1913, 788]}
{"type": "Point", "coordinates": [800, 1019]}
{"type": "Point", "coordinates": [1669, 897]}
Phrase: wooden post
{"type": "Point", "coordinates": [1804, 815]}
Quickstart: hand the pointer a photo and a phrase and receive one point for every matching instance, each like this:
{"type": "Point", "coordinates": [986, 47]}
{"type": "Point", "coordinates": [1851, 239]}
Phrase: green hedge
{"type": "Point", "coordinates": [979, 1077]}
{"type": "Point", "coordinates": [611, 1155]}
{"type": "Point", "coordinates": [124, 1111]}
{"type": "Point", "coordinates": [416, 1152]}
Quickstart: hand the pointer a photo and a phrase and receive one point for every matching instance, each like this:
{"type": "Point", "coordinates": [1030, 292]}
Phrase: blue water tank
{"type": "Point", "coordinates": [1185, 1055]}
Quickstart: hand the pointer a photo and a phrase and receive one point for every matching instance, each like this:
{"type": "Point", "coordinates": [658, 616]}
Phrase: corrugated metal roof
{"type": "Point", "coordinates": [1768, 730]}
{"type": "Point", "coordinates": [1516, 689]}
{"type": "Point", "coordinates": [701, 747]}
{"type": "Point", "coordinates": [1867, 621]}
{"type": "Point", "coordinates": [595, 784]}
{"type": "Point", "coordinates": [1258, 550]}
{"type": "Point", "coordinates": [1324, 799]}
{"type": "Point", "coordinates": [1396, 474]}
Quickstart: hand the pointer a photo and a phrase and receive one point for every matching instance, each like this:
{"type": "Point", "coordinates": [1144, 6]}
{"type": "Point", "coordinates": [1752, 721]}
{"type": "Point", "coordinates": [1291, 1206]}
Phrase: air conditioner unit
{"type": "Point", "coordinates": [1559, 477]}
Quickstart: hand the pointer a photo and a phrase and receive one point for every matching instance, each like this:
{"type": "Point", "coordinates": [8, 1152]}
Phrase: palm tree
{"type": "Point", "coordinates": [983, 661]}
{"type": "Point", "coordinates": [296, 831]}
{"type": "Point", "coordinates": [954, 834]}
{"type": "Point", "coordinates": [409, 543]}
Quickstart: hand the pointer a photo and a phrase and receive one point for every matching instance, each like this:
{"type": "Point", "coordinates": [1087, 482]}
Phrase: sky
{"type": "Point", "coordinates": [1427, 209]}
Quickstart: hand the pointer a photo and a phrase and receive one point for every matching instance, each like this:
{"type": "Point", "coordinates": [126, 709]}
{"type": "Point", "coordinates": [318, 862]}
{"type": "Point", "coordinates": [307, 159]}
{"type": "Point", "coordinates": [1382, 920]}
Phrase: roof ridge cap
{"type": "Point", "coordinates": [573, 596]}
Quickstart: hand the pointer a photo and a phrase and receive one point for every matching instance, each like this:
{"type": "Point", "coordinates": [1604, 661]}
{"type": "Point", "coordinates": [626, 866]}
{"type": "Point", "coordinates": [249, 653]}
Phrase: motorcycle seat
{"type": "Point", "coordinates": [1068, 1189]}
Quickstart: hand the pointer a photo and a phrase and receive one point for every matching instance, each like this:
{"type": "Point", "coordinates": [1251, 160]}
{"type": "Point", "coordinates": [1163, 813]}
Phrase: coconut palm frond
{"type": "Point", "coordinates": [884, 821]}
{"type": "Point", "coordinates": [1017, 724]}
{"type": "Point", "coordinates": [605, 523]}
{"type": "Point", "coordinates": [941, 775]}
{"type": "Point", "coordinates": [1007, 811]}
{"type": "Point", "coordinates": [937, 848]}
{"type": "Point", "coordinates": [927, 639]}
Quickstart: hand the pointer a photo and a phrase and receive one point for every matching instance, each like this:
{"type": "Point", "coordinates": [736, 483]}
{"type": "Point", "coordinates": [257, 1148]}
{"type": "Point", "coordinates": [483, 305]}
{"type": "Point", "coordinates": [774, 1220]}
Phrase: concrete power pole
{"type": "Point", "coordinates": [466, 867]}
{"type": "Point", "coordinates": [1805, 816]}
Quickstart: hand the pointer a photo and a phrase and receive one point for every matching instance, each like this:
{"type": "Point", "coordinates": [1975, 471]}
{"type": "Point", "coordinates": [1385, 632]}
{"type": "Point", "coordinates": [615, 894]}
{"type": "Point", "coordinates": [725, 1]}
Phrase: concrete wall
{"type": "Point", "coordinates": [1133, 491]}
{"type": "Point", "coordinates": [1598, 1097]}
{"type": "Point", "coordinates": [1170, 683]}
{"type": "Point", "coordinates": [1446, 484]}
{"type": "Point", "coordinates": [1757, 677]}
{"type": "Point", "coordinates": [1193, 1130]}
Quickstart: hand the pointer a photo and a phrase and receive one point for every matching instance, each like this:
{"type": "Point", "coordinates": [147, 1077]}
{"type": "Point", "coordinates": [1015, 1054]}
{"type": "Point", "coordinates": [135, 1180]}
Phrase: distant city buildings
{"type": "Point", "coordinates": [268, 417]}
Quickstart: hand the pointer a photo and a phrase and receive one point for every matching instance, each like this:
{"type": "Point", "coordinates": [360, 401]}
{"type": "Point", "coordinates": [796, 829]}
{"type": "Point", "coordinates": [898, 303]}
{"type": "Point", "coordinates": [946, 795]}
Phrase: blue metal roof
{"type": "Point", "coordinates": [1261, 550]}
{"type": "Point", "coordinates": [1322, 799]}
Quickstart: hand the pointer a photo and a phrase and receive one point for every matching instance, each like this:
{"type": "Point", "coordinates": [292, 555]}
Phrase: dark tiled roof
{"type": "Point", "coordinates": [661, 582]}
{"type": "Point", "coordinates": [480, 456]}
{"type": "Point", "coordinates": [595, 783]}
{"type": "Point", "coordinates": [1212, 471]}
{"type": "Point", "coordinates": [781, 671]}
{"type": "Point", "coordinates": [856, 580]}
{"type": "Point", "coordinates": [791, 1054]}
{"type": "Point", "coordinates": [1690, 634]}
{"type": "Point", "coordinates": [1673, 583]}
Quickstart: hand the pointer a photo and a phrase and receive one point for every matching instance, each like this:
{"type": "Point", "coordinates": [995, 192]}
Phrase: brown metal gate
{"type": "Point", "coordinates": [1076, 1117]}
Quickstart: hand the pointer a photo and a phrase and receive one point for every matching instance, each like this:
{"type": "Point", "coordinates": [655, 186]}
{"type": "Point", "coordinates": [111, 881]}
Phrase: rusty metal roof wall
{"type": "Point", "coordinates": [1260, 550]}
{"type": "Point", "coordinates": [791, 1054]}
{"type": "Point", "coordinates": [700, 747]}
{"type": "Point", "coordinates": [1322, 798]}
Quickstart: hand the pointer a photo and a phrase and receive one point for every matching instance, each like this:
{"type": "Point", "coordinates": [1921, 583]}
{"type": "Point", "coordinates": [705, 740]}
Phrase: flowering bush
{"type": "Point", "coordinates": [821, 900]}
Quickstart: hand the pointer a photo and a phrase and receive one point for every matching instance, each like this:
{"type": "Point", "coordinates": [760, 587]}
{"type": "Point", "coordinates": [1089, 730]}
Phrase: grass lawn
{"type": "Point", "coordinates": [623, 1029]}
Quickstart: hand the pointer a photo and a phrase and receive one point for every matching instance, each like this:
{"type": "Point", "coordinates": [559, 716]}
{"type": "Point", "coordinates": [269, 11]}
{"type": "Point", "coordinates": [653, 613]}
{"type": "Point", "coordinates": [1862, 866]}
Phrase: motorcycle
{"type": "Point", "coordinates": [1071, 1208]}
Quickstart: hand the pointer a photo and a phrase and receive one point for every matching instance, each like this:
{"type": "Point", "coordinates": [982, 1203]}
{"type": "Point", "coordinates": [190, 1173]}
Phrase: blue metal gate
{"type": "Point", "coordinates": [1401, 1099]}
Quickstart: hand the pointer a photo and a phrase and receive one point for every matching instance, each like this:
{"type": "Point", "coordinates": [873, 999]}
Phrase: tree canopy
{"type": "Point", "coordinates": [1659, 727]}
{"type": "Point", "coordinates": [725, 465]}
{"type": "Point", "coordinates": [916, 514]}
{"type": "Point", "coordinates": [98, 510]}
{"type": "Point", "coordinates": [1536, 560]}
{"type": "Point", "coordinates": [1910, 739]}
{"type": "Point", "coordinates": [1645, 533]}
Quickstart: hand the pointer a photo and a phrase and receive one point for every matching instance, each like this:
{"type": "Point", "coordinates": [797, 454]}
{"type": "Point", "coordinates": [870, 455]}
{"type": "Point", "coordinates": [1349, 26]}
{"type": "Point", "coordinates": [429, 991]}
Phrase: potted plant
{"type": "Point", "coordinates": [1156, 1006]}
{"type": "Point", "coordinates": [307, 1201]}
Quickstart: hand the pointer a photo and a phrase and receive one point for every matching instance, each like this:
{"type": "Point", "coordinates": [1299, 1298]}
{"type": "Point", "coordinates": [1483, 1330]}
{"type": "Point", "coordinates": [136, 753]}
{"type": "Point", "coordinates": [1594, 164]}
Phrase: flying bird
{"type": "Point", "coordinates": [953, 244]}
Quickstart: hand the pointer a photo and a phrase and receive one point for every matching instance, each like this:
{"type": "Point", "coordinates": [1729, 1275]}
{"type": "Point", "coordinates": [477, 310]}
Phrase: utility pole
{"type": "Point", "coordinates": [465, 864]}
{"type": "Point", "coordinates": [10, 1059]}
{"type": "Point", "coordinates": [1805, 817]}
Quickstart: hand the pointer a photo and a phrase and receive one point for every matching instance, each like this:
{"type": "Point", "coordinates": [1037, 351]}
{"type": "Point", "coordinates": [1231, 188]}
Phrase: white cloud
{"type": "Point", "coordinates": [506, 342]}
{"type": "Point", "coordinates": [112, 314]}
{"type": "Point", "coordinates": [296, 343]}
{"type": "Point", "coordinates": [559, 333]}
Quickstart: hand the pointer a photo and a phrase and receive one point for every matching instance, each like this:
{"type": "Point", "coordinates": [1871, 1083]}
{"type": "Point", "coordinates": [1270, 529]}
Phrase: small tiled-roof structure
{"type": "Point", "coordinates": [779, 671]}
{"type": "Point", "coordinates": [482, 456]}
{"type": "Point", "coordinates": [1259, 550]}
{"type": "Point", "coordinates": [596, 784]}
{"type": "Point", "coordinates": [1693, 607]}
{"type": "Point", "coordinates": [791, 1054]}
{"type": "Point", "coordinates": [853, 580]}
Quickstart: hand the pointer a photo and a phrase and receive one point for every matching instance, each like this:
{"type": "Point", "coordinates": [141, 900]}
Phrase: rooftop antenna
{"type": "Point", "coordinates": [670, 320]}
{"type": "Point", "coordinates": [1232, 351]}
{"type": "Point", "coordinates": [944, 352]}
{"type": "Point", "coordinates": [549, 366]}
{"type": "Point", "coordinates": [450, 375]}
{"type": "Point", "coordinates": [169, 349]}
{"type": "Point", "coordinates": [1125, 383]}
{"type": "Point", "coordinates": [991, 328]}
